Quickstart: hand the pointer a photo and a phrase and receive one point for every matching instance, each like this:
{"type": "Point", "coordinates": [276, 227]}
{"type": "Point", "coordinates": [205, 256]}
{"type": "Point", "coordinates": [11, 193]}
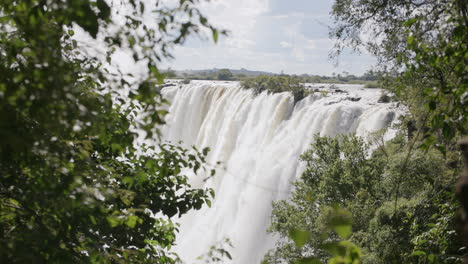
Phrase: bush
{"type": "Point", "coordinates": [276, 84]}
{"type": "Point", "coordinates": [402, 211]}
{"type": "Point", "coordinates": [372, 84]}
{"type": "Point", "coordinates": [224, 74]}
{"type": "Point", "coordinates": [385, 98]}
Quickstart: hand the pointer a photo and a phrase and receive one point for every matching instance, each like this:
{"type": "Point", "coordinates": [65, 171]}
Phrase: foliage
{"type": "Point", "coordinates": [401, 196]}
{"type": "Point", "coordinates": [340, 174]}
{"type": "Point", "coordinates": [224, 74]}
{"type": "Point", "coordinates": [369, 78]}
{"type": "Point", "coordinates": [422, 47]}
{"type": "Point", "coordinates": [444, 65]}
{"type": "Point", "coordinates": [170, 73]}
{"type": "Point", "coordinates": [74, 188]}
{"type": "Point", "coordinates": [276, 84]}
{"type": "Point", "coordinates": [372, 84]}
{"type": "Point", "coordinates": [218, 253]}
{"type": "Point", "coordinates": [385, 98]}
{"type": "Point", "coordinates": [342, 251]}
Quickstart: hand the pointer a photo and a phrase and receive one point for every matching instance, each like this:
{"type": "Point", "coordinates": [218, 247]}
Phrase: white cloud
{"type": "Point", "coordinates": [291, 39]}
{"type": "Point", "coordinates": [280, 16]}
{"type": "Point", "coordinates": [285, 44]}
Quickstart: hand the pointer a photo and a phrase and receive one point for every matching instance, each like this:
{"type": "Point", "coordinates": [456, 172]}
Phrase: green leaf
{"type": "Point", "coordinates": [93, 219]}
{"type": "Point", "coordinates": [410, 22]}
{"type": "Point", "coordinates": [205, 151]}
{"type": "Point", "coordinates": [448, 131]}
{"type": "Point", "coordinates": [431, 258]}
{"type": "Point", "coordinates": [128, 180]}
{"type": "Point", "coordinates": [104, 9]}
{"type": "Point", "coordinates": [344, 231]}
{"type": "Point", "coordinates": [215, 35]}
{"type": "Point", "coordinates": [332, 248]}
{"type": "Point", "coordinates": [113, 221]}
{"type": "Point", "coordinates": [309, 260]}
{"type": "Point", "coordinates": [300, 237]}
{"type": "Point", "coordinates": [418, 253]}
{"type": "Point", "coordinates": [87, 19]}
{"type": "Point", "coordinates": [131, 221]}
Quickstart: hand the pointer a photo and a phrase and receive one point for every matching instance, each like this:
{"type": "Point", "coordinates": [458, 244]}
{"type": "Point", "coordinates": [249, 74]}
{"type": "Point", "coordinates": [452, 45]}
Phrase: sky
{"type": "Point", "coordinates": [289, 36]}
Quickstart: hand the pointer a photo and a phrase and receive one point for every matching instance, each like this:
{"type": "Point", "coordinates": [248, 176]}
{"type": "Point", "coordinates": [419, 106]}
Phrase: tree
{"type": "Point", "coordinates": [420, 46]}
{"type": "Point", "coordinates": [276, 84]}
{"type": "Point", "coordinates": [402, 196]}
{"type": "Point", "coordinates": [170, 73]}
{"type": "Point", "coordinates": [340, 174]}
{"type": "Point", "coordinates": [74, 185]}
{"type": "Point", "coordinates": [224, 74]}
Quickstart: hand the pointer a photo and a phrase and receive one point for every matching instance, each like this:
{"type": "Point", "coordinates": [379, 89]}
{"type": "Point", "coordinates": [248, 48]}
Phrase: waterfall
{"type": "Point", "coordinates": [258, 140]}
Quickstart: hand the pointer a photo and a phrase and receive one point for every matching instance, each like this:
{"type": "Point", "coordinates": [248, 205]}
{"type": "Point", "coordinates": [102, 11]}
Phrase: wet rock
{"type": "Point", "coordinates": [168, 85]}
{"type": "Point", "coordinates": [353, 99]}
{"type": "Point", "coordinates": [340, 91]}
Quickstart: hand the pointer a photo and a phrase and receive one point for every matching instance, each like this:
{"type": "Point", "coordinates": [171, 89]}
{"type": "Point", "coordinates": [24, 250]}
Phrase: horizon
{"type": "Point", "coordinates": [345, 73]}
{"type": "Point", "coordinates": [270, 36]}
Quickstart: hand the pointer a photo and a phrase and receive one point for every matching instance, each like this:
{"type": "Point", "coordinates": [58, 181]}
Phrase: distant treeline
{"type": "Point", "coordinates": [370, 78]}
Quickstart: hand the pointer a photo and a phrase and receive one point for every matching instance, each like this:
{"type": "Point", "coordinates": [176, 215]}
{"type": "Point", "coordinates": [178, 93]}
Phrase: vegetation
{"type": "Point", "coordinates": [370, 78]}
{"type": "Point", "coordinates": [75, 188]}
{"type": "Point", "coordinates": [276, 84]}
{"type": "Point", "coordinates": [339, 174]}
{"type": "Point", "coordinates": [224, 74]}
{"type": "Point", "coordinates": [402, 196]}
{"type": "Point", "coordinates": [423, 57]}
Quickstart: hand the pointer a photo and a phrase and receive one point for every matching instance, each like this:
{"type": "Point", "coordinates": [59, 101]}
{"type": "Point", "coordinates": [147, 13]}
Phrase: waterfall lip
{"type": "Point", "coordinates": [259, 139]}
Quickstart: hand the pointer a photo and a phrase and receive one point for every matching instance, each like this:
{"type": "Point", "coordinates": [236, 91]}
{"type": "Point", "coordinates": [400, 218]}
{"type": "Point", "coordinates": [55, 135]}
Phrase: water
{"type": "Point", "coordinates": [258, 140]}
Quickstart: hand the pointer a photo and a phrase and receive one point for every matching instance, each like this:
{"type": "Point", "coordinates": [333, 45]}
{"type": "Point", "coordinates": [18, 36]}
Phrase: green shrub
{"type": "Point", "coordinates": [385, 98]}
{"type": "Point", "coordinates": [372, 84]}
{"type": "Point", "coordinates": [225, 74]}
{"type": "Point", "coordinates": [276, 84]}
{"type": "Point", "coordinates": [402, 206]}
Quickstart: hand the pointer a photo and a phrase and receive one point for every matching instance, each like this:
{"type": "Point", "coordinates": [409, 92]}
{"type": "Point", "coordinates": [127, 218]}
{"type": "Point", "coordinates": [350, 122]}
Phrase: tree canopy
{"type": "Point", "coordinates": [421, 47]}
{"type": "Point", "coordinates": [224, 74]}
{"type": "Point", "coordinates": [75, 187]}
{"type": "Point", "coordinates": [339, 174]}
{"type": "Point", "coordinates": [402, 197]}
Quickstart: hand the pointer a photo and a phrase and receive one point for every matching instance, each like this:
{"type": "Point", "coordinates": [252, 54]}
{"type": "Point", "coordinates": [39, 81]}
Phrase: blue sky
{"type": "Point", "coordinates": [269, 35]}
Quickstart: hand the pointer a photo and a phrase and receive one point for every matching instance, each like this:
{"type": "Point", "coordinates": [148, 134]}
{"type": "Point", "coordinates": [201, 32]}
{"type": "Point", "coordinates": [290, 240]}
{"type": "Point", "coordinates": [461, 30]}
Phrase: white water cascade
{"type": "Point", "coordinates": [258, 140]}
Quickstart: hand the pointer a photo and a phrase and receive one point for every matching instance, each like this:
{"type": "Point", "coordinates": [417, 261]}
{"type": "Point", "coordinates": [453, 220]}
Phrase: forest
{"type": "Point", "coordinates": [79, 182]}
